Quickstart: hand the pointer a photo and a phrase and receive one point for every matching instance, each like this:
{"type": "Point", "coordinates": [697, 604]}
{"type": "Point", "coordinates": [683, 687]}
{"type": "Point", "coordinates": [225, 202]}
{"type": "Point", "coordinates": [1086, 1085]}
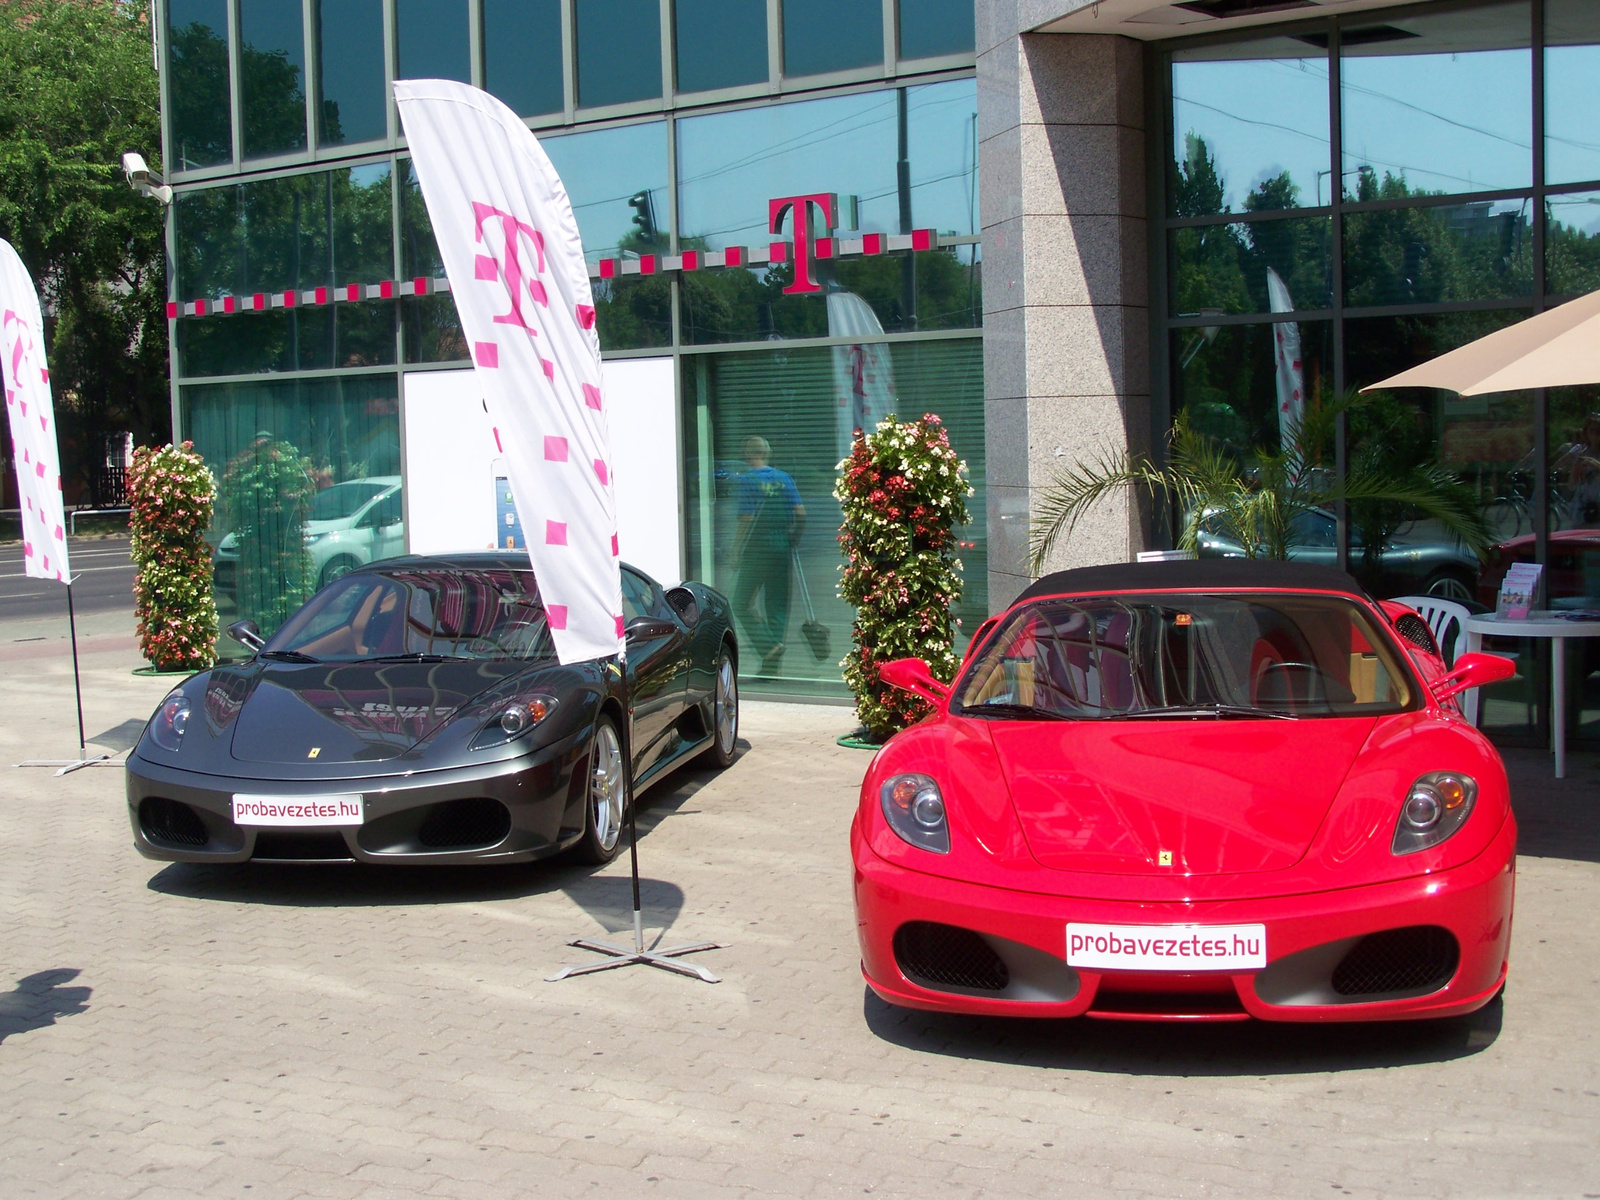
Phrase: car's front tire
{"type": "Point", "coordinates": [725, 711]}
{"type": "Point", "coordinates": [606, 798]}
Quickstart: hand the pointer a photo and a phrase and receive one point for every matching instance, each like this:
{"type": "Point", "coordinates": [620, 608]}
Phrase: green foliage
{"type": "Point", "coordinates": [266, 496]}
{"type": "Point", "coordinates": [904, 493]}
{"type": "Point", "coordinates": [1254, 501]}
{"type": "Point", "coordinates": [80, 88]}
{"type": "Point", "coordinates": [171, 493]}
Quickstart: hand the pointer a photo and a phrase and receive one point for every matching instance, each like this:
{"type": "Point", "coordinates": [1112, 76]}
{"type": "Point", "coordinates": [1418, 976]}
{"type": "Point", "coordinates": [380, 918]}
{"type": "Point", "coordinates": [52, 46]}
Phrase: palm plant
{"type": "Point", "coordinates": [1253, 500]}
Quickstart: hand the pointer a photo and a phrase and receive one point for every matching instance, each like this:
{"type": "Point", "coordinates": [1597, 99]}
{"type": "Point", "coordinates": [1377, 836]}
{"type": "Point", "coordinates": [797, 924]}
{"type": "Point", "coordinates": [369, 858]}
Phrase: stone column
{"type": "Point", "coordinates": [1066, 321]}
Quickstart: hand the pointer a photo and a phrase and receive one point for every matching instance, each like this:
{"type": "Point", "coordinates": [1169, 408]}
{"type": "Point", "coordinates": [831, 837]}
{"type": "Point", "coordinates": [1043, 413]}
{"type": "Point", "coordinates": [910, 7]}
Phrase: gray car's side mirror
{"type": "Point", "coordinates": [247, 634]}
{"type": "Point", "coordinates": [645, 628]}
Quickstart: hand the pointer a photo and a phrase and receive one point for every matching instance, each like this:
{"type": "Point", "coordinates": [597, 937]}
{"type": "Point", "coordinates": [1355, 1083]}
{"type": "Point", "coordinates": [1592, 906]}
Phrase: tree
{"type": "Point", "coordinates": [79, 88]}
{"type": "Point", "coordinates": [1255, 501]}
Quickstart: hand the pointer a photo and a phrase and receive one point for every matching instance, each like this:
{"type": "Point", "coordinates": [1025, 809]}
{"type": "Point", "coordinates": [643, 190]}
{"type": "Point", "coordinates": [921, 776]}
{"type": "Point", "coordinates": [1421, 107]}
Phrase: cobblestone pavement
{"type": "Point", "coordinates": [344, 1032]}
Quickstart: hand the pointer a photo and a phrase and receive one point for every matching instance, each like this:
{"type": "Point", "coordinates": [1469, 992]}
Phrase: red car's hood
{"type": "Point", "coordinates": [1222, 797]}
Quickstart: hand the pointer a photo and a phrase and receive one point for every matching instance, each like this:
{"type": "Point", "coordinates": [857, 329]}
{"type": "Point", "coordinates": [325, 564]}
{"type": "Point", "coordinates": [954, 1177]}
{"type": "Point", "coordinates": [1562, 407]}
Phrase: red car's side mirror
{"type": "Point", "coordinates": [1472, 670]}
{"type": "Point", "coordinates": [913, 675]}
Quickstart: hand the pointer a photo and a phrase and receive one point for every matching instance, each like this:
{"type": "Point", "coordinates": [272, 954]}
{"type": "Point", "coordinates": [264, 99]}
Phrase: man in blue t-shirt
{"type": "Point", "coordinates": [771, 518]}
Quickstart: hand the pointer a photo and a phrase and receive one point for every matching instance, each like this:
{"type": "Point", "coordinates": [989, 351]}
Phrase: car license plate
{"type": "Point", "coordinates": [1167, 947]}
{"type": "Point", "coordinates": [298, 812]}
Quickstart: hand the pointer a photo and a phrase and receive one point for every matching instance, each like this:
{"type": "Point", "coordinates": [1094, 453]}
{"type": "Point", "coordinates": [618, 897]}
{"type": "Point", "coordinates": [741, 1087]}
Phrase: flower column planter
{"type": "Point", "coordinates": [904, 493]}
{"type": "Point", "coordinates": [171, 493]}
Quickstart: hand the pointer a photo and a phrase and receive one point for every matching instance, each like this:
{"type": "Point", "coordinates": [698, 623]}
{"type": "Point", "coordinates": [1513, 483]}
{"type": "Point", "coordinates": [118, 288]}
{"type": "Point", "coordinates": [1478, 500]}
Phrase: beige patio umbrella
{"type": "Point", "coordinates": [1557, 348]}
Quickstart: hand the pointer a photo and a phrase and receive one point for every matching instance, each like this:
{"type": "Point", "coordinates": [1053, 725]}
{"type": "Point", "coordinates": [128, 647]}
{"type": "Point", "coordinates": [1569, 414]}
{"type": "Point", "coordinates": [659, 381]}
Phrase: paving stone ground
{"type": "Point", "coordinates": [171, 1031]}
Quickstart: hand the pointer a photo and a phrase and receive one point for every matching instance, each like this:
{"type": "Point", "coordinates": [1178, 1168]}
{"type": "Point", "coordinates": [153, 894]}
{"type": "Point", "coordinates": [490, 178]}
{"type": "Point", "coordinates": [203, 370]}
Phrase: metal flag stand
{"type": "Point", "coordinates": [68, 765]}
{"type": "Point", "coordinates": [622, 957]}
{"type": "Point", "coordinates": [638, 956]}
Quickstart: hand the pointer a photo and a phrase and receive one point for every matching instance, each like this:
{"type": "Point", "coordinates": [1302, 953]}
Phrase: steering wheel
{"type": "Point", "coordinates": [1274, 684]}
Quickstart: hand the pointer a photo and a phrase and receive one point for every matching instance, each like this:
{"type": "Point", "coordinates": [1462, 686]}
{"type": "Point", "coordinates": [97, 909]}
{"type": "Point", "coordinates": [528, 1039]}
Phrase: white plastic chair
{"type": "Point", "coordinates": [1448, 621]}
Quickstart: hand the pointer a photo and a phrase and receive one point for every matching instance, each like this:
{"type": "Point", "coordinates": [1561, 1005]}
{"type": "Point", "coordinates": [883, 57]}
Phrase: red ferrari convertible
{"type": "Point", "coordinates": [1201, 791]}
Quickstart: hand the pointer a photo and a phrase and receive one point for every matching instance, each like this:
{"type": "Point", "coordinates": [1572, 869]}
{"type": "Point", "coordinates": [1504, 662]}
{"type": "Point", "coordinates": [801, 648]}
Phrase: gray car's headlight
{"type": "Point", "coordinates": [171, 719]}
{"type": "Point", "coordinates": [513, 720]}
{"type": "Point", "coordinates": [914, 808]}
{"type": "Point", "coordinates": [1436, 805]}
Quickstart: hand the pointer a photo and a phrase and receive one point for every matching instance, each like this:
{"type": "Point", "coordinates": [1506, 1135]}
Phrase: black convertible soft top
{"type": "Point", "coordinates": [1195, 574]}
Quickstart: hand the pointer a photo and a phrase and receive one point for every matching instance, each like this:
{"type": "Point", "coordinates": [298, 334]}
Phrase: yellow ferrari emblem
{"type": "Point", "coordinates": [316, 750]}
{"type": "Point", "coordinates": [1163, 857]}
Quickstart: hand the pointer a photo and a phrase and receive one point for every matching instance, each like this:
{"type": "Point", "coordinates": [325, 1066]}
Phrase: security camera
{"type": "Point", "coordinates": [142, 179]}
{"type": "Point", "coordinates": [135, 168]}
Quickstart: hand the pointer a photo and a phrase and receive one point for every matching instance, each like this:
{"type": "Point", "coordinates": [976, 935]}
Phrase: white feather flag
{"type": "Point", "coordinates": [33, 423]}
{"type": "Point", "coordinates": [510, 246]}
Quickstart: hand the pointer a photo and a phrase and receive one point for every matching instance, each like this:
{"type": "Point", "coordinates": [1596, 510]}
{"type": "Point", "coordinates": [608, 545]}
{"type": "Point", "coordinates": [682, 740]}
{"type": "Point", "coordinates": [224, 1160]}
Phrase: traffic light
{"type": "Point", "coordinates": [644, 215]}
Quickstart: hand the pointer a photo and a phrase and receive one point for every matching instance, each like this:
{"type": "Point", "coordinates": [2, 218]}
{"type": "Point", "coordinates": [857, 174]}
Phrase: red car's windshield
{"type": "Point", "coordinates": [1284, 654]}
{"type": "Point", "coordinates": [420, 613]}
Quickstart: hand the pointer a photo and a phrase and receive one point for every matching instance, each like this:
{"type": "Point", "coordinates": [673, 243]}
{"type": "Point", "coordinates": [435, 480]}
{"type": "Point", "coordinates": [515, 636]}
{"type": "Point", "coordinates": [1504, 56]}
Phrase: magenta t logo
{"type": "Point", "coordinates": [510, 266]}
{"type": "Point", "coordinates": [804, 238]}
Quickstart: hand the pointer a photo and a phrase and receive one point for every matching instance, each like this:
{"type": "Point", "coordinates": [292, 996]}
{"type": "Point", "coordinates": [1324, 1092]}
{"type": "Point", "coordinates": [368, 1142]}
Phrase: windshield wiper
{"type": "Point", "coordinates": [418, 656]}
{"type": "Point", "coordinates": [1014, 712]}
{"type": "Point", "coordinates": [1210, 710]}
{"type": "Point", "coordinates": [286, 656]}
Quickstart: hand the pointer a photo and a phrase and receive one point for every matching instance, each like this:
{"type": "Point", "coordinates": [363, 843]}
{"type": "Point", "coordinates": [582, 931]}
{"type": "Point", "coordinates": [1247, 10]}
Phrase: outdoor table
{"type": "Point", "coordinates": [1540, 625]}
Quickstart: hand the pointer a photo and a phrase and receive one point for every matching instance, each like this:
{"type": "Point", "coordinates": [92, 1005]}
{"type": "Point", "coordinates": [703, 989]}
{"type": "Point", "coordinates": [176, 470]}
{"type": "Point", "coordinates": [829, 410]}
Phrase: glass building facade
{"type": "Point", "coordinates": [672, 125]}
{"type": "Point", "coordinates": [1370, 192]}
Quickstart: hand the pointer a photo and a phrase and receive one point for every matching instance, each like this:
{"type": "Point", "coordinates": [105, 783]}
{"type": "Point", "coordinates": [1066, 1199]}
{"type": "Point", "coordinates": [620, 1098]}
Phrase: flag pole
{"type": "Point", "coordinates": [67, 766]}
{"type": "Point", "coordinates": [77, 680]}
{"type": "Point", "coordinates": [665, 958]}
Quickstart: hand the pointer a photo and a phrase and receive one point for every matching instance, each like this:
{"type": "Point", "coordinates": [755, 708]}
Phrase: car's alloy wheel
{"type": "Point", "coordinates": [608, 789]}
{"type": "Point", "coordinates": [725, 712]}
{"type": "Point", "coordinates": [338, 568]}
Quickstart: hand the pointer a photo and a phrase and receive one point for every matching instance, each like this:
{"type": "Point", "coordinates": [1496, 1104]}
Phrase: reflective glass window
{"type": "Point", "coordinates": [1572, 567]}
{"type": "Point", "coordinates": [298, 339]}
{"type": "Point", "coordinates": [1440, 103]}
{"type": "Point", "coordinates": [351, 93]}
{"type": "Point", "coordinates": [522, 54]}
{"type": "Point", "coordinates": [831, 35]}
{"type": "Point", "coordinates": [1240, 384]}
{"type": "Point", "coordinates": [197, 41]}
{"type": "Point", "coordinates": [274, 446]}
{"type": "Point", "coordinates": [617, 181]}
{"type": "Point", "coordinates": [272, 68]}
{"type": "Point", "coordinates": [1230, 152]}
{"type": "Point", "coordinates": [1572, 91]}
{"type": "Point", "coordinates": [210, 238]}
{"type": "Point", "coordinates": [720, 43]}
{"type": "Point", "coordinates": [433, 40]}
{"type": "Point", "coordinates": [931, 28]}
{"type": "Point", "coordinates": [846, 144]}
{"type": "Point", "coordinates": [1424, 255]}
{"type": "Point", "coordinates": [1250, 267]}
{"type": "Point", "coordinates": [763, 434]}
{"type": "Point", "coordinates": [1572, 243]}
{"type": "Point", "coordinates": [619, 51]}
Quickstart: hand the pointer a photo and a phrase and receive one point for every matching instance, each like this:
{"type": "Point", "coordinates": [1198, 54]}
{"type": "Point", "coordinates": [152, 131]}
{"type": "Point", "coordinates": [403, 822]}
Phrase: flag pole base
{"type": "Point", "coordinates": [638, 956]}
{"type": "Point", "coordinates": [68, 765]}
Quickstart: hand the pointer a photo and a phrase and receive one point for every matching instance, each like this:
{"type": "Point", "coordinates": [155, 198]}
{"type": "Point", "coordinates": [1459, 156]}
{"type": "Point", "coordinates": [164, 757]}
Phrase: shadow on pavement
{"type": "Point", "coordinates": [1555, 817]}
{"type": "Point", "coordinates": [120, 737]}
{"type": "Point", "coordinates": [39, 999]}
{"type": "Point", "coordinates": [605, 893]}
{"type": "Point", "coordinates": [1148, 1048]}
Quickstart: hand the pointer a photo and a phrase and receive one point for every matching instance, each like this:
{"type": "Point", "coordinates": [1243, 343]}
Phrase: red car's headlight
{"type": "Point", "coordinates": [1435, 807]}
{"type": "Point", "coordinates": [914, 808]}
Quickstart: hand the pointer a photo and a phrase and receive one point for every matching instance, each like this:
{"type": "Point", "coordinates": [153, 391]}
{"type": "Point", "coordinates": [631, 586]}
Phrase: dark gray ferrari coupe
{"type": "Point", "coordinates": [413, 711]}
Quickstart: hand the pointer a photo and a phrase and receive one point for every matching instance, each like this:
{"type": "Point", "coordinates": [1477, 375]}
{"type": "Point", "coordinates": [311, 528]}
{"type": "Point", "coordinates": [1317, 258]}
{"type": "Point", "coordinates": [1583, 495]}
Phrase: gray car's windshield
{"type": "Point", "coordinates": [419, 615]}
{"type": "Point", "coordinates": [1187, 655]}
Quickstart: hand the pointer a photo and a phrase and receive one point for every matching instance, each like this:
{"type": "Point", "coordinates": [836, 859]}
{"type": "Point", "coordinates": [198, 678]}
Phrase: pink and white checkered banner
{"type": "Point", "coordinates": [33, 423]}
{"type": "Point", "coordinates": [511, 250]}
